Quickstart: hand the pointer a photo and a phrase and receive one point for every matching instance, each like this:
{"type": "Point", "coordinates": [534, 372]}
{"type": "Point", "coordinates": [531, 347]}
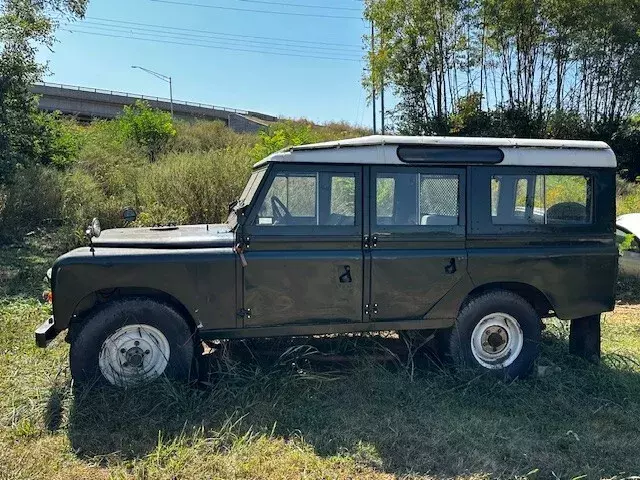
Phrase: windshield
{"type": "Point", "coordinates": [247, 195]}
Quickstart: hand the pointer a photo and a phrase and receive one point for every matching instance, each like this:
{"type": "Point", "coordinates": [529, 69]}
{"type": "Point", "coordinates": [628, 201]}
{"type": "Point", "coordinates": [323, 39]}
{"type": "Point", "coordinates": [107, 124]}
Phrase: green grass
{"type": "Point", "coordinates": [269, 412]}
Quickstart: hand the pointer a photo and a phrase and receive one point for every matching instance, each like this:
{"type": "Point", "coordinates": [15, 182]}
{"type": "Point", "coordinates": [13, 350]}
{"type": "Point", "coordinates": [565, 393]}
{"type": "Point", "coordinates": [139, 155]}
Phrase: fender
{"type": "Point", "coordinates": [202, 280]}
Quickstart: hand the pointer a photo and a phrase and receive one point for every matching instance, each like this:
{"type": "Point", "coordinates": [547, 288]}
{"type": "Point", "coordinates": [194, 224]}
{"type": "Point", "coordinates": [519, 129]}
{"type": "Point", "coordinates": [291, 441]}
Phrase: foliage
{"type": "Point", "coordinates": [299, 132]}
{"type": "Point", "coordinates": [33, 200]}
{"type": "Point", "coordinates": [282, 135]}
{"type": "Point", "coordinates": [202, 170]}
{"type": "Point", "coordinates": [151, 129]}
{"type": "Point", "coordinates": [26, 138]}
{"type": "Point", "coordinates": [193, 187]}
{"type": "Point", "coordinates": [529, 56]}
{"type": "Point", "coordinates": [205, 135]}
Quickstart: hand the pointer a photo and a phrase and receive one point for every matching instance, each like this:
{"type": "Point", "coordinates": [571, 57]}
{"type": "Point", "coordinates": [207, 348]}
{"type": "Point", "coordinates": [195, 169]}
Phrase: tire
{"type": "Point", "coordinates": [497, 333]}
{"type": "Point", "coordinates": [131, 342]}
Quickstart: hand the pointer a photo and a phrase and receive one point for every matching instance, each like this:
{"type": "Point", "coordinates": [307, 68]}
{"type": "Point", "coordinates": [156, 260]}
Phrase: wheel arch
{"type": "Point", "coordinates": [536, 298]}
{"type": "Point", "coordinates": [99, 298]}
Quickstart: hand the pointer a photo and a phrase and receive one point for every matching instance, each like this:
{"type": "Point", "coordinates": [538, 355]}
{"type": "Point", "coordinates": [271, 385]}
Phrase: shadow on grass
{"type": "Point", "coordinates": [581, 419]}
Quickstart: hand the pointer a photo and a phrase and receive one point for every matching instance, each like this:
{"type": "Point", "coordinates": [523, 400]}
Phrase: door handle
{"type": "Point", "coordinates": [346, 276]}
{"type": "Point", "coordinates": [451, 266]}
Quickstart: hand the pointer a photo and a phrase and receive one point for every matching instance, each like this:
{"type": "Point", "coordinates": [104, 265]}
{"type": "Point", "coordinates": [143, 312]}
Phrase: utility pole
{"type": "Point", "coordinates": [382, 107]}
{"type": "Point", "coordinates": [373, 85]}
{"type": "Point", "coordinates": [166, 78]}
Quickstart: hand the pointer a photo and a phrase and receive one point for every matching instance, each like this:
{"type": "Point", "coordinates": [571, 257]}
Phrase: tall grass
{"type": "Point", "coordinates": [193, 187]}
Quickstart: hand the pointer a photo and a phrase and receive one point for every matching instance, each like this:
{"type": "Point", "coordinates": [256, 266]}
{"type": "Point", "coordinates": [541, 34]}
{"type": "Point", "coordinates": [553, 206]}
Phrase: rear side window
{"type": "Point", "coordinates": [541, 199]}
{"type": "Point", "coordinates": [404, 199]}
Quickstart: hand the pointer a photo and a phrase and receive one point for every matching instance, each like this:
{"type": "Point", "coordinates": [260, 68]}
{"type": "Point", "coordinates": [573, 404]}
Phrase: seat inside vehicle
{"type": "Point", "coordinates": [439, 220]}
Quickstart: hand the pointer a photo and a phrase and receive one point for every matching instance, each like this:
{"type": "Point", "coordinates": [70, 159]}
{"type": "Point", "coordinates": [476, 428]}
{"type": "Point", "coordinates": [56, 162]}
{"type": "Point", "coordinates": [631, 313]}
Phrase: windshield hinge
{"type": "Point", "coordinates": [244, 313]}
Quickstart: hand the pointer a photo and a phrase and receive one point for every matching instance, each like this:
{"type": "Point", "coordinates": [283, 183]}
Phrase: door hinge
{"type": "Point", "coordinates": [373, 309]}
{"type": "Point", "coordinates": [244, 313]}
{"type": "Point", "coordinates": [365, 242]}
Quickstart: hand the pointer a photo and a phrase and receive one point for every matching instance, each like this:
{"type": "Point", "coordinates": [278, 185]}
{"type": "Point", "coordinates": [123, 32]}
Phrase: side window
{"type": "Point", "coordinates": [439, 199]}
{"type": "Point", "coordinates": [417, 199]}
{"type": "Point", "coordinates": [385, 189]}
{"type": "Point", "coordinates": [540, 199]}
{"type": "Point", "coordinates": [309, 198]}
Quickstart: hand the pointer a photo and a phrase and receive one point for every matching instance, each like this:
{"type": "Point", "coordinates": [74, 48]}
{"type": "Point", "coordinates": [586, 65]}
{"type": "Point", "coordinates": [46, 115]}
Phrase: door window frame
{"type": "Point", "coordinates": [460, 172]}
{"type": "Point", "coordinates": [252, 228]}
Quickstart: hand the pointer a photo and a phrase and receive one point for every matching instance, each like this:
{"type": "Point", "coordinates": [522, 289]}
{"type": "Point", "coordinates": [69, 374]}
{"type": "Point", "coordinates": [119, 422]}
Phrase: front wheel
{"type": "Point", "coordinates": [131, 342]}
{"type": "Point", "coordinates": [499, 333]}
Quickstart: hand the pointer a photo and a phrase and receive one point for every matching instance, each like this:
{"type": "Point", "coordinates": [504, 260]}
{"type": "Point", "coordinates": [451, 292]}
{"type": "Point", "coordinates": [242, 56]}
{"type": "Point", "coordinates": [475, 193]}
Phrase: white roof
{"type": "Point", "coordinates": [630, 221]}
{"type": "Point", "coordinates": [382, 149]}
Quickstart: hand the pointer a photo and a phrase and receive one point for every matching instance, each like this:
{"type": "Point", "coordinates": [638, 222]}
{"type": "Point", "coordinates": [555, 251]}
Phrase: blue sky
{"type": "Point", "coordinates": [292, 86]}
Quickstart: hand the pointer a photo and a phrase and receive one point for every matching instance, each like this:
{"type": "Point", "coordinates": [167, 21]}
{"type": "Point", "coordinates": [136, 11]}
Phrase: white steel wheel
{"type": "Point", "coordinates": [134, 354]}
{"type": "Point", "coordinates": [497, 340]}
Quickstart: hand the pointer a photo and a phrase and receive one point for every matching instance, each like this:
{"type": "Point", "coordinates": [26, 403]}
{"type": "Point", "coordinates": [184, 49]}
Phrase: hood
{"type": "Point", "coordinates": [181, 236]}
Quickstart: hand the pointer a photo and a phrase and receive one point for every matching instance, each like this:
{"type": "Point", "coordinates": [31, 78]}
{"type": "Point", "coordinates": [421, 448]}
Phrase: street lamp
{"type": "Point", "coordinates": [161, 77]}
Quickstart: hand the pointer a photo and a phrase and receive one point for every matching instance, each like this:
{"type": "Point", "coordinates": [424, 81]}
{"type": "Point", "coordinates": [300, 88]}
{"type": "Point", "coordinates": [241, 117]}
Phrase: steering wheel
{"type": "Point", "coordinates": [280, 213]}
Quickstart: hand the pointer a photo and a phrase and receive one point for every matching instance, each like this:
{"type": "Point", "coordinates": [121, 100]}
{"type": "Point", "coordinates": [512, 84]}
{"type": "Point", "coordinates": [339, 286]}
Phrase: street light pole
{"type": "Point", "coordinates": [165, 78]}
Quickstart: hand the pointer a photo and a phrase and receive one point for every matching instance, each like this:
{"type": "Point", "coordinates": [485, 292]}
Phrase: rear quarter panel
{"type": "Point", "coordinates": [574, 266]}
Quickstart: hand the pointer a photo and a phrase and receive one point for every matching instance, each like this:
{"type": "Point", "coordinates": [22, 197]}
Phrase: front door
{"type": "Point", "coordinates": [304, 261]}
{"type": "Point", "coordinates": [416, 239]}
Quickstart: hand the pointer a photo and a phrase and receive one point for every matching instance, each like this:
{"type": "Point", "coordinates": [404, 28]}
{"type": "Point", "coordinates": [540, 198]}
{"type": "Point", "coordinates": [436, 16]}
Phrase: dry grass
{"type": "Point", "coordinates": [269, 415]}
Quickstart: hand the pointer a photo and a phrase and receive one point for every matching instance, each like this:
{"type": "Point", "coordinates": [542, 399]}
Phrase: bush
{"type": "Point", "coordinates": [33, 200]}
{"type": "Point", "coordinates": [204, 135]}
{"type": "Point", "coordinates": [150, 129]}
{"type": "Point", "coordinates": [193, 188]}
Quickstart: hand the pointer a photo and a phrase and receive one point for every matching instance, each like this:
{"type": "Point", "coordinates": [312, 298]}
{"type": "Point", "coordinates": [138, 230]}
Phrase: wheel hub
{"type": "Point", "coordinates": [134, 354]}
{"type": "Point", "coordinates": [497, 340]}
{"type": "Point", "coordinates": [134, 357]}
{"type": "Point", "coordinates": [494, 339]}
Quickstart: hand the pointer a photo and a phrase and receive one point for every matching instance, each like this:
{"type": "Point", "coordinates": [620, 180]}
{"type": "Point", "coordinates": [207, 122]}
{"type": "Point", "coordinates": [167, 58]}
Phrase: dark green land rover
{"type": "Point", "coordinates": [474, 239]}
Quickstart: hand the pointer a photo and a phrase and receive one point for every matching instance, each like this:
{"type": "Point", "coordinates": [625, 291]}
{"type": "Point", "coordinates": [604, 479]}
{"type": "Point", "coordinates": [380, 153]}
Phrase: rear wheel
{"type": "Point", "coordinates": [131, 342]}
{"type": "Point", "coordinates": [497, 332]}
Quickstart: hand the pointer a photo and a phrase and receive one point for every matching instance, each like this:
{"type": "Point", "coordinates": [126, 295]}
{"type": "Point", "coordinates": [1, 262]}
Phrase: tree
{"type": "Point", "coordinates": [526, 59]}
{"type": "Point", "coordinates": [25, 133]}
{"type": "Point", "coordinates": [151, 129]}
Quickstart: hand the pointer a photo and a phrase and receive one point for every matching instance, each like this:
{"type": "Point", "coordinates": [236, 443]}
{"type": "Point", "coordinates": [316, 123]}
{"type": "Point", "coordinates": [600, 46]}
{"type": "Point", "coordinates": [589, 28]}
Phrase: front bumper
{"type": "Point", "coordinates": [45, 333]}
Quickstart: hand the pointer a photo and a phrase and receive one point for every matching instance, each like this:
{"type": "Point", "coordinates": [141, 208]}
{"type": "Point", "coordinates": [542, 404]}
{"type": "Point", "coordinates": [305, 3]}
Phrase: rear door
{"type": "Point", "coordinates": [416, 238]}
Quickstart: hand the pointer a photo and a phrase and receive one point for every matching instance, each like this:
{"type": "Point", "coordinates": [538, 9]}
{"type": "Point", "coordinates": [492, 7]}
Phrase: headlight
{"type": "Point", "coordinates": [49, 272]}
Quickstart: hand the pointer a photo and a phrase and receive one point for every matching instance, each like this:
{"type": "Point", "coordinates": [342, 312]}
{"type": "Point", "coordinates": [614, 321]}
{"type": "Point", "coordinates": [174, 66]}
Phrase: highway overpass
{"type": "Point", "coordinates": [89, 103]}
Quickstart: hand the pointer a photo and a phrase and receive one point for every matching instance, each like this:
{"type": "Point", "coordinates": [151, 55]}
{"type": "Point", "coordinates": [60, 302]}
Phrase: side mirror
{"type": "Point", "coordinates": [94, 229]}
{"type": "Point", "coordinates": [129, 214]}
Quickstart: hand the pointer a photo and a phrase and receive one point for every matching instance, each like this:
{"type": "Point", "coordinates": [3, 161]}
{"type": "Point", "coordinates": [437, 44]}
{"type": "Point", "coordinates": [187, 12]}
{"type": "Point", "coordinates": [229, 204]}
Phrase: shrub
{"type": "Point", "coordinates": [32, 200]}
{"type": "Point", "coordinates": [193, 188]}
{"type": "Point", "coordinates": [150, 129]}
{"type": "Point", "coordinates": [204, 135]}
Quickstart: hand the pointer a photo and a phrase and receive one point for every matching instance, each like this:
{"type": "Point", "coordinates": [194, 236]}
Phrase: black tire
{"type": "Point", "coordinates": [457, 341]}
{"type": "Point", "coordinates": [90, 337]}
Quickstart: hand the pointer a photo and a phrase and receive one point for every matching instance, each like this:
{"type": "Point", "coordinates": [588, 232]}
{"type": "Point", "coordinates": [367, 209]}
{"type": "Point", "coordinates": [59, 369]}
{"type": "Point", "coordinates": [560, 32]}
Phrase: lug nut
{"type": "Point", "coordinates": [122, 350]}
{"type": "Point", "coordinates": [147, 352]}
{"type": "Point", "coordinates": [136, 343]}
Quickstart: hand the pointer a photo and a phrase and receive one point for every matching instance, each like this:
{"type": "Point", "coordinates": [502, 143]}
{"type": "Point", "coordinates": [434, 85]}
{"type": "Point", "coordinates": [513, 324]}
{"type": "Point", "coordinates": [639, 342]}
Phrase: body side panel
{"type": "Point", "coordinates": [573, 265]}
{"type": "Point", "coordinates": [202, 280]}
